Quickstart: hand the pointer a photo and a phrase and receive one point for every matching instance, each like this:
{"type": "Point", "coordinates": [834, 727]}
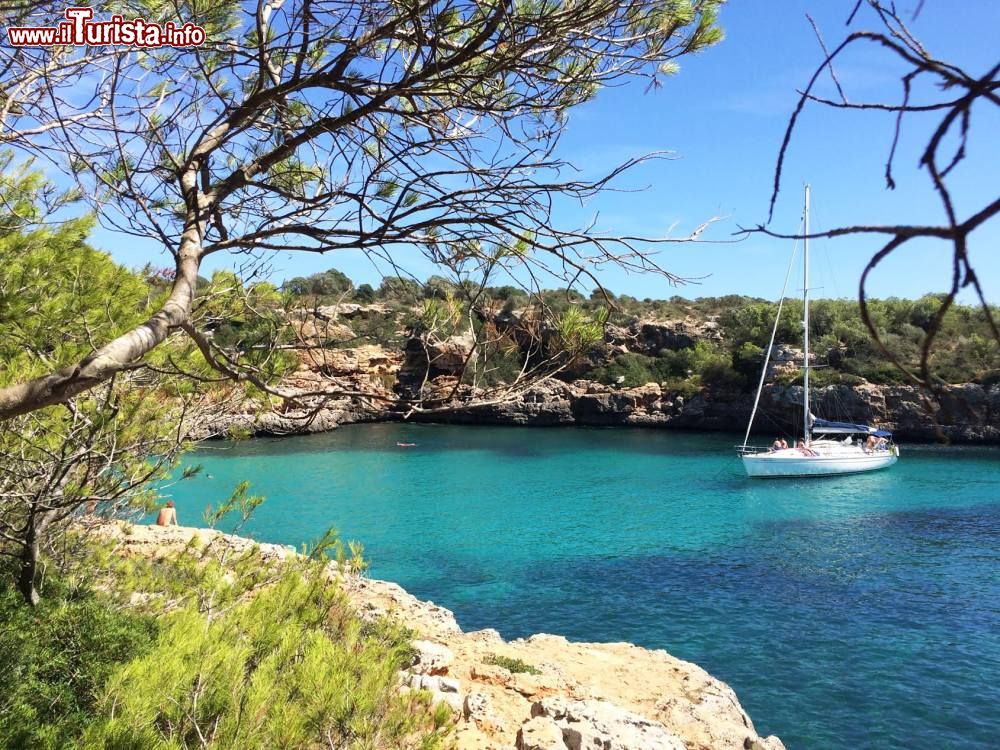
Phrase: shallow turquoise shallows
{"type": "Point", "coordinates": [860, 611]}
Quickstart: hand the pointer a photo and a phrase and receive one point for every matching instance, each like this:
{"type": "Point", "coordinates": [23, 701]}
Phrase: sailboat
{"type": "Point", "coordinates": [827, 448]}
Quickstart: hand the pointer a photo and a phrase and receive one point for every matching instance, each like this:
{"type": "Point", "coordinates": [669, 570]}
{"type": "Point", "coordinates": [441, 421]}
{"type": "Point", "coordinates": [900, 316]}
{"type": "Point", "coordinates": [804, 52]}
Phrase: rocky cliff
{"type": "Point", "coordinates": [965, 414]}
{"type": "Point", "coordinates": [369, 380]}
{"type": "Point", "coordinates": [553, 694]}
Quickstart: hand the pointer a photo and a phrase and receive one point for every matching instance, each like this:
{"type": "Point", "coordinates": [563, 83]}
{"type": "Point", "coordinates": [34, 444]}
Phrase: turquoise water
{"type": "Point", "coordinates": [860, 611]}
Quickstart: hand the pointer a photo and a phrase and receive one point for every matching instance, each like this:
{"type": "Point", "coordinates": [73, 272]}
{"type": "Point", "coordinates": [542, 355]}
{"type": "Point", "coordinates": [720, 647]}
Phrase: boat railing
{"type": "Point", "coordinates": [750, 450]}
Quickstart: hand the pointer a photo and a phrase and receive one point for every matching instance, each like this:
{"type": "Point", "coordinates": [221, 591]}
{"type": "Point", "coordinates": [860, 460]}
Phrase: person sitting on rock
{"type": "Point", "coordinates": [167, 515]}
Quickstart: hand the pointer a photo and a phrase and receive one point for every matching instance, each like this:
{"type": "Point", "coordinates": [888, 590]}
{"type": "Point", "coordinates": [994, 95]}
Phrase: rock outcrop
{"type": "Point", "coordinates": [557, 723]}
{"type": "Point", "coordinates": [372, 383]}
{"type": "Point", "coordinates": [608, 696]}
{"type": "Point", "coordinates": [966, 413]}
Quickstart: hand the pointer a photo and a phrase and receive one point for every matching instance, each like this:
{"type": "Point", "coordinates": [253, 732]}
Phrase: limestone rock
{"type": "Point", "coordinates": [431, 658]}
{"type": "Point", "coordinates": [486, 635]}
{"type": "Point", "coordinates": [598, 724]}
{"type": "Point", "coordinates": [491, 674]}
{"type": "Point", "coordinates": [442, 689]}
{"type": "Point", "coordinates": [787, 360]}
{"type": "Point", "coordinates": [530, 685]}
{"type": "Point", "coordinates": [540, 733]}
{"type": "Point", "coordinates": [453, 700]}
{"type": "Point", "coordinates": [434, 683]}
{"type": "Point", "coordinates": [478, 708]}
{"type": "Point", "coordinates": [653, 336]}
{"type": "Point", "coordinates": [443, 357]}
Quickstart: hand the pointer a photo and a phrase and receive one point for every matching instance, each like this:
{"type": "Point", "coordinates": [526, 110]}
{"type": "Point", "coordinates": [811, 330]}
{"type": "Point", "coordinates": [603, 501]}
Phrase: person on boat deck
{"type": "Point", "coordinates": [870, 444]}
{"type": "Point", "coordinates": [882, 444]}
{"type": "Point", "coordinates": [784, 444]}
{"type": "Point", "coordinates": [804, 449]}
{"type": "Point", "coordinates": [776, 445]}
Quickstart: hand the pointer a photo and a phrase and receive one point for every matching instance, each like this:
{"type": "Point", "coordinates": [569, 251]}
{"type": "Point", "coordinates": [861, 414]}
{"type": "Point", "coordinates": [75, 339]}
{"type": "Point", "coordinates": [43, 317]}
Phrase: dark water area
{"type": "Point", "coordinates": [859, 611]}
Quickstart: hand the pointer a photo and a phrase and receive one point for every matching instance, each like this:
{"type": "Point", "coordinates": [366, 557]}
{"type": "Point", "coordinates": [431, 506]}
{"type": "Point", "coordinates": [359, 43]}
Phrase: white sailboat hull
{"type": "Point", "coordinates": [783, 464]}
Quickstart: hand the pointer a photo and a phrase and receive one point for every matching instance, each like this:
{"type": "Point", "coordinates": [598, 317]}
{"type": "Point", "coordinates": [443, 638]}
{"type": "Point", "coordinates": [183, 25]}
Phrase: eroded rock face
{"type": "Point", "coordinates": [431, 658]}
{"type": "Point", "coordinates": [433, 368]}
{"type": "Point", "coordinates": [439, 357]}
{"type": "Point", "coordinates": [369, 369]}
{"type": "Point", "coordinates": [651, 337]}
{"type": "Point", "coordinates": [540, 733]}
{"type": "Point", "coordinates": [966, 413]}
{"type": "Point", "coordinates": [597, 724]}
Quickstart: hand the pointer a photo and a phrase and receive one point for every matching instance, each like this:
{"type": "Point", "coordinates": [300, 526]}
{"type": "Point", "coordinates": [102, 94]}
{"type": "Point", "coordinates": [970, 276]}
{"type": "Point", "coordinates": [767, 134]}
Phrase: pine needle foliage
{"type": "Point", "coordinates": [259, 654]}
{"type": "Point", "coordinates": [208, 648]}
{"type": "Point", "coordinates": [55, 659]}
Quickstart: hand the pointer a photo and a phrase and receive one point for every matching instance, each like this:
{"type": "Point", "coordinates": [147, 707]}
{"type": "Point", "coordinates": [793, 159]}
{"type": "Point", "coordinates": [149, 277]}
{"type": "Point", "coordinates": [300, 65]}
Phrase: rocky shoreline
{"type": "Point", "coordinates": [614, 696]}
{"type": "Point", "coordinates": [376, 378]}
{"type": "Point", "coordinates": [965, 414]}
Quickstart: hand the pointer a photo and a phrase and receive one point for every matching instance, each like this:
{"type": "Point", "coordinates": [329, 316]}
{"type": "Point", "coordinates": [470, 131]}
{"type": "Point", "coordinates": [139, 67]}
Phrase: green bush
{"type": "Point", "coordinates": [634, 369]}
{"type": "Point", "coordinates": [495, 366]}
{"type": "Point", "coordinates": [289, 667]}
{"type": "Point", "coordinates": [512, 665]}
{"type": "Point", "coordinates": [684, 370]}
{"type": "Point", "coordinates": [325, 285]}
{"type": "Point", "coordinates": [55, 658]}
{"type": "Point", "coordinates": [364, 294]}
{"type": "Point", "coordinates": [197, 650]}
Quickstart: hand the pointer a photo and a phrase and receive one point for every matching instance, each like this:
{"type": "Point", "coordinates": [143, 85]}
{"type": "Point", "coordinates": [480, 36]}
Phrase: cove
{"type": "Point", "coordinates": [858, 610]}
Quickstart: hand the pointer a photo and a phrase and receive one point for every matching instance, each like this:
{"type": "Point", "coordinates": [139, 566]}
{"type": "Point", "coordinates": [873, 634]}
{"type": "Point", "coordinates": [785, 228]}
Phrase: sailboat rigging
{"type": "Point", "coordinates": [864, 448]}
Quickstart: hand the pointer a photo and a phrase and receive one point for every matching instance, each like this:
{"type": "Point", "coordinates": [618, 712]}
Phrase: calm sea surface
{"type": "Point", "coordinates": [860, 611]}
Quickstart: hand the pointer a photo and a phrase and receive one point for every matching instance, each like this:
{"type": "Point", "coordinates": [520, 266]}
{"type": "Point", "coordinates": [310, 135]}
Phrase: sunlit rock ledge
{"type": "Point", "coordinates": [613, 696]}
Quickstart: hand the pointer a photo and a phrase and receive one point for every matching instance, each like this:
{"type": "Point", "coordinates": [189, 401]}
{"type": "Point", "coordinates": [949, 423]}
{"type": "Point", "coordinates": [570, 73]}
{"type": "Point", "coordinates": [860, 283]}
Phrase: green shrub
{"type": "Point", "coordinates": [722, 375]}
{"type": "Point", "coordinates": [239, 432]}
{"type": "Point", "coordinates": [633, 369]}
{"type": "Point", "coordinates": [364, 294]}
{"type": "Point", "coordinates": [55, 658]}
{"type": "Point", "coordinates": [748, 359]}
{"type": "Point", "coordinates": [290, 666]}
{"type": "Point", "coordinates": [325, 285]}
{"type": "Point", "coordinates": [685, 387]}
{"type": "Point", "coordinates": [510, 664]}
{"type": "Point", "coordinates": [205, 649]}
{"type": "Point", "coordinates": [495, 366]}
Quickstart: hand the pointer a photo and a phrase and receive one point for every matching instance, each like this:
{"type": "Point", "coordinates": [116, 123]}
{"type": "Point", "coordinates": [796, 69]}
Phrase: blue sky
{"type": "Point", "coordinates": [723, 117]}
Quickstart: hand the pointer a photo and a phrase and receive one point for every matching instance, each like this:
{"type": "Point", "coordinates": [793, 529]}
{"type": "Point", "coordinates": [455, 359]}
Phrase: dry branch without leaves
{"type": "Point", "coordinates": [956, 93]}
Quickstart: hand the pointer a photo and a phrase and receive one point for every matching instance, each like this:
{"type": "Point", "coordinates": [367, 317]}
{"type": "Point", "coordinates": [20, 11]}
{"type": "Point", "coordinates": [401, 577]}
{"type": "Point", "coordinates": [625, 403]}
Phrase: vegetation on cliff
{"type": "Point", "coordinates": [202, 650]}
{"type": "Point", "coordinates": [708, 341]}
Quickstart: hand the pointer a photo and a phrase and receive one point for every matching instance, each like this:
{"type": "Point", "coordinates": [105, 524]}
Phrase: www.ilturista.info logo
{"type": "Point", "coordinates": [79, 30]}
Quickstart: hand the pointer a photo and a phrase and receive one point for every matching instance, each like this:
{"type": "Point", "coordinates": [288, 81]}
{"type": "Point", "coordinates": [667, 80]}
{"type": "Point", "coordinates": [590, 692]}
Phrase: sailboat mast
{"type": "Point", "coordinates": [805, 318]}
